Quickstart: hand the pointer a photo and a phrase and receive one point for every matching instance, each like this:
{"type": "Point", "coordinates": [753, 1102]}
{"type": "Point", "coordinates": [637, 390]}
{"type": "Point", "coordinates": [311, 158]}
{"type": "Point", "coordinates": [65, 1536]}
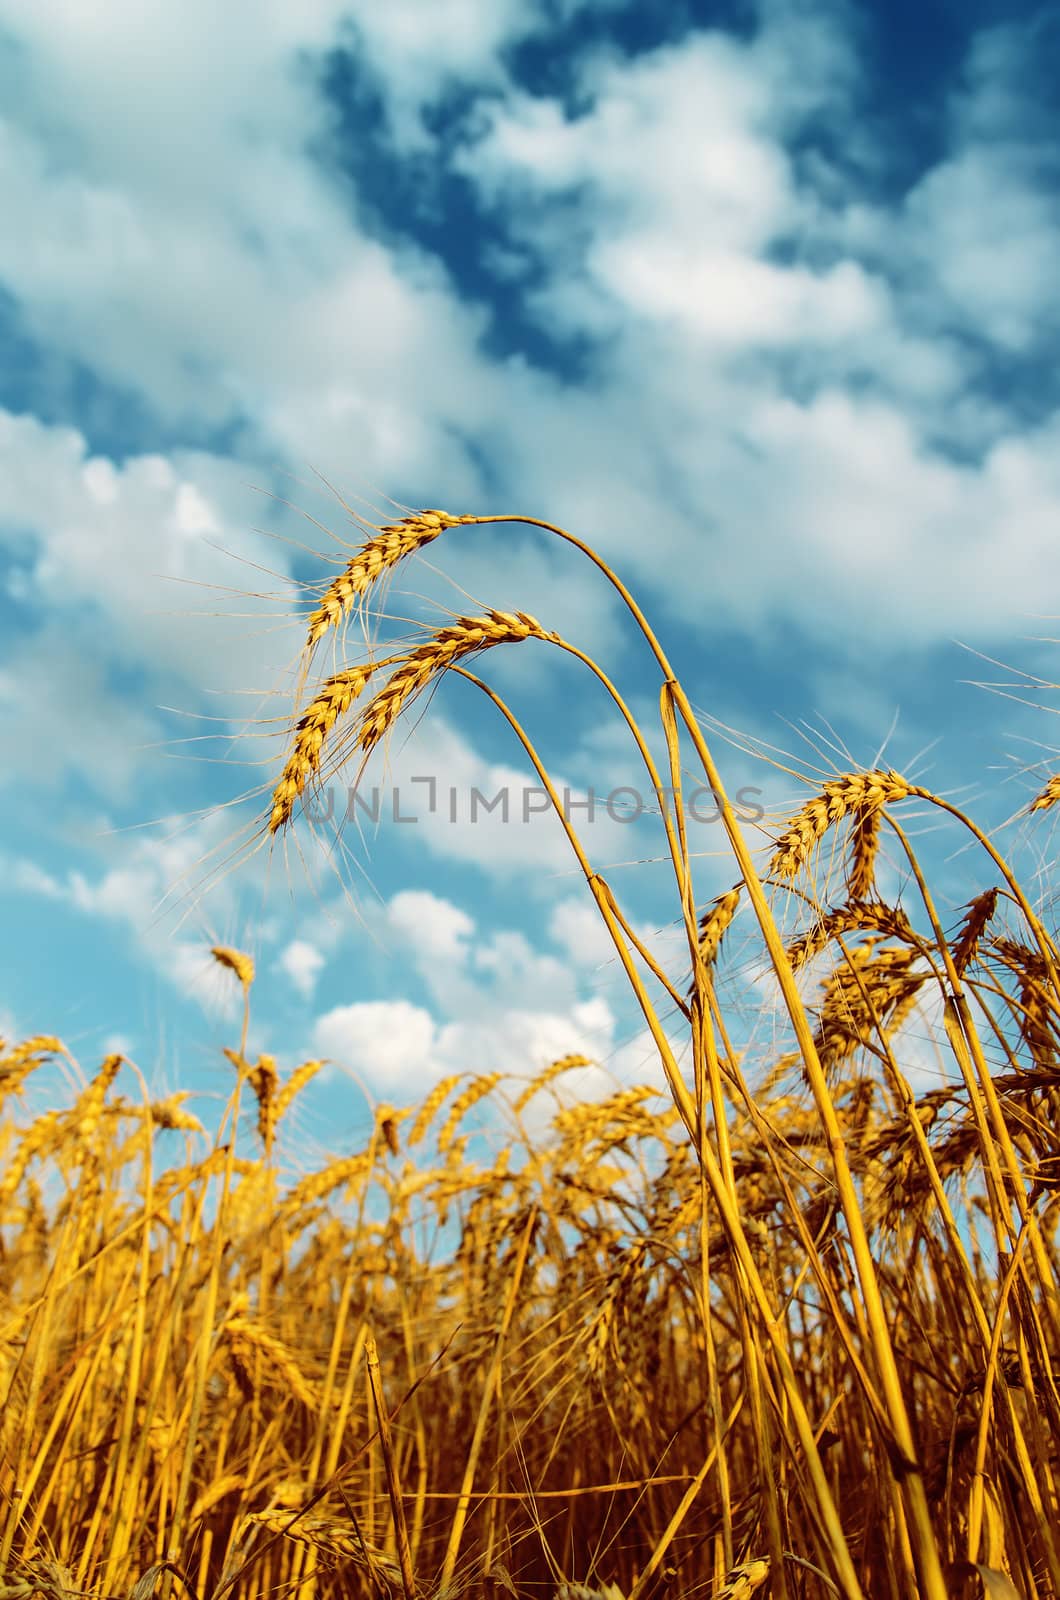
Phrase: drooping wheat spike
{"type": "Point", "coordinates": [295, 1084]}
{"type": "Point", "coordinates": [442, 650]}
{"type": "Point", "coordinates": [86, 1113]}
{"type": "Point", "coordinates": [742, 1581]}
{"type": "Point", "coordinates": [312, 728]}
{"type": "Point", "coordinates": [318, 1185]}
{"type": "Point", "coordinates": [333, 1537]}
{"type": "Point", "coordinates": [476, 1090]}
{"type": "Point", "coordinates": [887, 987]}
{"type": "Point", "coordinates": [263, 1079]}
{"type": "Point", "coordinates": [169, 1113]}
{"type": "Point", "coordinates": [980, 910]}
{"type": "Point", "coordinates": [554, 1070]}
{"type": "Point", "coordinates": [713, 925]}
{"type": "Point", "coordinates": [850, 918]}
{"type": "Point", "coordinates": [1039, 1022]}
{"type": "Point", "coordinates": [177, 1179]}
{"type": "Point", "coordinates": [235, 961]}
{"type": "Point", "coordinates": [864, 845]}
{"type": "Point", "coordinates": [622, 1116]}
{"type": "Point", "coordinates": [430, 1106]}
{"type": "Point", "coordinates": [854, 792]}
{"type": "Point", "coordinates": [39, 1139]}
{"type": "Point", "coordinates": [1049, 796]}
{"type": "Point", "coordinates": [18, 1061]}
{"type": "Point", "coordinates": [384, 550]}
{"type": "Point", "coordinates": [245, 1337]}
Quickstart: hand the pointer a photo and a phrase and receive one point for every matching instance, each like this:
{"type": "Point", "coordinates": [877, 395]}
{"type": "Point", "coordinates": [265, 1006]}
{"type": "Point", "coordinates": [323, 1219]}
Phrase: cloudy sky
{"type": "Point", "coordinates": [757, 298]}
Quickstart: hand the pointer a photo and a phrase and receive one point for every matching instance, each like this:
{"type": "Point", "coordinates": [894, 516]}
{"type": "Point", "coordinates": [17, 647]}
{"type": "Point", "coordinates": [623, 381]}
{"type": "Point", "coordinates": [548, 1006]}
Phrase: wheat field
{"type": "Point", "coordinates": [772, 1323]}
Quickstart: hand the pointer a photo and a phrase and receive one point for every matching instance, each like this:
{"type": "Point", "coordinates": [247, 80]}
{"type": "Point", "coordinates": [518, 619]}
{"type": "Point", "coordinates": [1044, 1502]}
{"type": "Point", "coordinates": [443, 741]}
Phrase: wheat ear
{"type": "Point", "coordinates": [311, 729]}
{"type": "Point", "coordinates": [1049, 795]}
{"type": "Point", "coordinates": [442, 650]}
{"type": "Point", "coordinates": [858, 793]}
{"type": "Point", "coordinates": [389, 546]}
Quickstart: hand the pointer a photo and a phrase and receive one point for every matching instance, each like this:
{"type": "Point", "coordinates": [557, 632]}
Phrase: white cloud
{"type": "Point", "coordinates": [577, 926]}
{"type": "Point", "coordinates": [26, 877]}
{"type": "Point", "coordinates": [302, 963]}
{"type": "Point", "coordinates": [681, 164]}
{"type": "Point", "coordinates": [152, 892]}
{"type": "Point", "coordinates": [681, 181]}
{"type": "Point", "coordinates": [497, 1003]}
{"type": "Point", "coordinates": [135, 548]}
{"type": "Point", "coordinates": [57, 705]}
{"type": "Point", "coordinates": [391, 1043]}
{"type": "Point", "coordinates": [401, 1049]}
{"type": "Point", "coordinates": [435, 929]}
{"type": "Point", "coordinates": [984, 227]}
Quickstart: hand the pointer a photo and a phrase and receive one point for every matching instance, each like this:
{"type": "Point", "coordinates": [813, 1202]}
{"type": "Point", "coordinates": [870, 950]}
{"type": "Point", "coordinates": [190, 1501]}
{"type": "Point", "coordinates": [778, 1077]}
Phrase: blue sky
{"type": "Point", "coordinates": [759, 299]}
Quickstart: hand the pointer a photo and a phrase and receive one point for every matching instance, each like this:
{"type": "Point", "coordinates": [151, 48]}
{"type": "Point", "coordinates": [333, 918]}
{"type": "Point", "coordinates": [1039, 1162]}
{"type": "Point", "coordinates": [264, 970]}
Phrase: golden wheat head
{"type": "Point", "coordinates": [856, 793]}
{"type": "Point", "coordinates": [386, 549]}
